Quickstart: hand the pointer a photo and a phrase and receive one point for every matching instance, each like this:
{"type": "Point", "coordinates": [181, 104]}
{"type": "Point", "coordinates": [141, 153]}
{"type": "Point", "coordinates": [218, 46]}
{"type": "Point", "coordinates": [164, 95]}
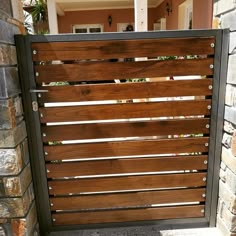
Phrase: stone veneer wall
{"type": "Point", "coordinates": [225, 12]}
{"type": "Point", "coordinates": [17, 207]}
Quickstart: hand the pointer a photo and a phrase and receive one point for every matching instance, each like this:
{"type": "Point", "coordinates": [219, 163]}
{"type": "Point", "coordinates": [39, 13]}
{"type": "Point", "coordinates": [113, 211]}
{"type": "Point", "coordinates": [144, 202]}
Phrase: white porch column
{"type": "Point", "coordinates": [141, 15]}
{"type": "Point", "coordinates": [52, 17]}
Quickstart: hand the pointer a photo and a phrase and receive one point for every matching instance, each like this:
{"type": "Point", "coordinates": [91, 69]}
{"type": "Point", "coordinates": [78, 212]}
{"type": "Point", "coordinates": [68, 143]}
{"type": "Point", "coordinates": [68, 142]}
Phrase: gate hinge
{"type": "Point", "coordinates": [35, 106]}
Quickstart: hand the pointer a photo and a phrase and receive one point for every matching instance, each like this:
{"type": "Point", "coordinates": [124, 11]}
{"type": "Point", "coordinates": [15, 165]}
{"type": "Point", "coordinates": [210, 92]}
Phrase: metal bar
{"type": "Point", "coordinates": [171, 224]}
{"type": "Point", "coordinates": [216, 130]}
{"type": "Point", "coordinates": [34, 133]}
{"type": "Point", "coordinates": [221, 66]}
{"type": "Point", "coordinates": [213, 126]}
{"type": "Point", "coordinates": [121, 36]}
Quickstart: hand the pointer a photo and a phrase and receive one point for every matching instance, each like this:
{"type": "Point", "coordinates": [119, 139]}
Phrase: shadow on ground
{"type": "Point", "coordinates": [122, 231]}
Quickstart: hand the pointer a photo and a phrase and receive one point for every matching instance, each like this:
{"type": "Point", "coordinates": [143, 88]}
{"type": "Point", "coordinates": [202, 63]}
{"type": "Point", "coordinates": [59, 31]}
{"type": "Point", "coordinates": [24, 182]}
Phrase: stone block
{"type": "Point", "coordinates": [25, 152]}
{"type": "Point", "coordinates": [228, 159]}
{"type": "Point", "coordinates": [5, 229]}
{"type": "Point", "coordinates": [223, 166]}
{"type": "Point", "coordinates": [9, 82]}
{"type": "Point", "coordinates": [11, 138]}
{"type": "Point", "coordinates": [219, 206]}
{"type": "Point", "coordinates": [222, 6]}
{"type": "Point", "coordinates": [15, 186]}
{"type": "Point", "coordinates": [227, 197]}
{"type": "Point", "coordinates": [2, 231]}
{"type": "Point", "coordinates": [11, 112]}
{"type": "Point", "coordinates": [227, 138]}
{"type": "Point", "coordinates": [230, 114]}
{"type": "Point", "coordinates": [230, 95]}
{"type": "Point", "coordinates": [232, 43]}
{"type": "Point", "coordinates": [191, 232]}
{"type": "Point", "coordinates": [223, 228]}
{"type": "Point", "coordinates": [7, 55]}
{"type": "Point", "coordinates": [229, 178]}
{"type": "Point", "coordinates": [228, 218]}
{"type": "Point", "coordinates": [231, 77]}
{"type": "Point", "coordinates": [12, 161]}
{"type": "Point", "coordinates": [222, 174]}
{"type": "Point", "coordinates": [16, 207]}
{"type": "Point", "coordinates": [229, 20]}
{"type": "Point", "coordinates": [7, 32]}
{"type": "Point", "coordinates": [25, 226]}
{"type": "Point", "coordinates": [3, 15]}
{"type": "Point", "coordinates": [36, 231]}
{"type": "Point", "coordinates": [229, 127]}
{"type": "Point", "coordinates": [6, 7]}
{"type": "Point", "coordinates": [17, 10]}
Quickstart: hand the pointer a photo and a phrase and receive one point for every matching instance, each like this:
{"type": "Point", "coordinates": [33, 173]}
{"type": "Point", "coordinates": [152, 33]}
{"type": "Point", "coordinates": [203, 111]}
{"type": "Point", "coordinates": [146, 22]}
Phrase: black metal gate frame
{"type": "Point", "coordinates": [26, 72]}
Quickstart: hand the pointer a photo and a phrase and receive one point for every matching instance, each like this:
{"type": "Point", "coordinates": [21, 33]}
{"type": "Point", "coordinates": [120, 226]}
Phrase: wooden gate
{"type": "Point", "coordinates": [144, 149]}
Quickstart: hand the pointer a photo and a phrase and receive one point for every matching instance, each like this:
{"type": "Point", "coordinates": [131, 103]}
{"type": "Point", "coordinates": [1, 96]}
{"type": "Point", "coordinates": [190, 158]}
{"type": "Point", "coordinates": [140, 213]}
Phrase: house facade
{"type": "Point", "coordinates": [79, 16]}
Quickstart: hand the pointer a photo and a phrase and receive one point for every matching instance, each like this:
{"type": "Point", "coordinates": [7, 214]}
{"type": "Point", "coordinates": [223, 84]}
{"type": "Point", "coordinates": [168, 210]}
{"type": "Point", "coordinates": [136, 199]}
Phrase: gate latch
{"type": "Point", "coordinates": [35, 106]}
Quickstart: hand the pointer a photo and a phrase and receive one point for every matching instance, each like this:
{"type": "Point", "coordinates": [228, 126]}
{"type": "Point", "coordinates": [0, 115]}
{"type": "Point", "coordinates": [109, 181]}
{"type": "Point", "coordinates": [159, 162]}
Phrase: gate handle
{"type": "Point", "coordinates": [38, 91]}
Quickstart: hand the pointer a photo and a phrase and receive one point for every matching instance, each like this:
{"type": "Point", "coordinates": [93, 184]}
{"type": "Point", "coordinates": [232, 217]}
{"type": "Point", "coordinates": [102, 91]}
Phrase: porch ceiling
{"type": "Point", "coordinates": [73, 5]}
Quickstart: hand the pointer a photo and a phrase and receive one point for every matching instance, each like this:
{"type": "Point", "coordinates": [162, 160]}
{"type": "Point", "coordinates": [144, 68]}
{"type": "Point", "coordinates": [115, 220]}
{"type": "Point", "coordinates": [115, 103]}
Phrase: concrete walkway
{"type": "Point", "coordinates": [122, 231]}
{"type": "Point", "coordinates": [192, 232]}
{"type": "Point", "coordinates": [141, 231]}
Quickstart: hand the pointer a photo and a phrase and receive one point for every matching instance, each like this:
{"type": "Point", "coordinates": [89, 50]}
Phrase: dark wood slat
{"type": "Point", "coordinates": [114, 149]}
{"type": "Point", "coordinates": [124, 166]}
{"type": "Point", "coordinates": [128, 215]}
{"type": "Point", "coordinates": [125, 129]}
{"type": "Point", "coordinates": [95, 71]}
{"type": "Point", "coordinates": [127, 199]}
{"type": "Point", "coordinates": [122, 48]}
{"type": "Point", "coordinates": [125, 111]}
{"type": "Point", "coordinates": [96, 92]}
{"type": "Point", "coordinates": [76, 186]}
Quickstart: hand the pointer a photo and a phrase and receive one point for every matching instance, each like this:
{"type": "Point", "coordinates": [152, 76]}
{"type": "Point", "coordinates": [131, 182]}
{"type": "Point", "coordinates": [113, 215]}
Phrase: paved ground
{"type": "Point", "coordinates": [141, 231]}
{"type": "Point", "coordinates": [123, 231]}
{"type": "Point", "coordinates": [192, 232]}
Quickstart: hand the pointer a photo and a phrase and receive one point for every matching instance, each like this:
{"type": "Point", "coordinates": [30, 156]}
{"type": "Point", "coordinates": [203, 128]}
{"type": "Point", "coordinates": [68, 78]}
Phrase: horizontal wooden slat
{"type": "Point", "coordinates": [105, 49]}
{"type": "Point", "coordinates": [76, 186]}
{"type": "Point", "coordinates": [127, 199]}
{"type": "Point", "coordinates": [128, 215]}
{"type": "Point", "coordinates": [125, 111]}
{"type": "Point", "coordinates": [124, 166]}
{"type": "Point", "coordinates": [118, 91]}
{"type": "Point", "coordinates": [125, 129]}
{"type": "Point", "coordinates": [110, 149]}
{"type": "Point", "coordinates": [95, 71]}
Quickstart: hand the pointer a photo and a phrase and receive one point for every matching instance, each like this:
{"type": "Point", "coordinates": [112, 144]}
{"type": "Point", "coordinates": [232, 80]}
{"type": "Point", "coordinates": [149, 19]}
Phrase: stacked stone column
{"type": "Point", "coordinates": [17, 207]}
{"type": "Point", "coordinates": [225, 12]}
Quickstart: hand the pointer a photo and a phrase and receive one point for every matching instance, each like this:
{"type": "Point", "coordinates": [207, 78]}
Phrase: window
{"type": "Point", "coordinates": [89, 28]}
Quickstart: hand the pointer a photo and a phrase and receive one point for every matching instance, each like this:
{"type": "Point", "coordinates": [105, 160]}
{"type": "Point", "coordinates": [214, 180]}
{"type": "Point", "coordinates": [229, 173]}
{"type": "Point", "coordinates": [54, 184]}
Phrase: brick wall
{"type": "Point", "coordinates": [225, 11]}
{"type": "Point", "coordinates": [17, 207]}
